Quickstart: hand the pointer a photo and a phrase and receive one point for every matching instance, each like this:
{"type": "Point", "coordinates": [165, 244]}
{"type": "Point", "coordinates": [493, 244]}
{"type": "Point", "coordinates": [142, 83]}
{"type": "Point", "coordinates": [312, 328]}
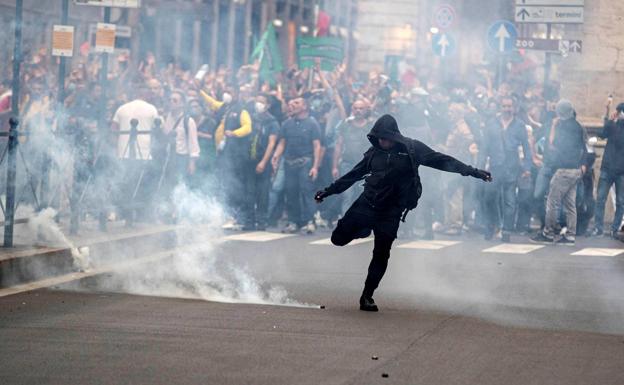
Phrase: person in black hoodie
{"type": "Point", "coordinates": [392, 188]}
{"type": "Point", "coordinates": [567, 155]}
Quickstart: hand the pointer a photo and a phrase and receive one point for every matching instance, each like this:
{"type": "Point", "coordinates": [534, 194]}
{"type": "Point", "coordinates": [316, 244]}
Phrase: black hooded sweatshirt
{"type": "Point", "coordinates": [391, 177]}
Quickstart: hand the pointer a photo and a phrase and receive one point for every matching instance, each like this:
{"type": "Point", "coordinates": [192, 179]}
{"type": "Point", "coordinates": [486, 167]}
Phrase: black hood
{"type": "Point", "coordinates": [386, 127]}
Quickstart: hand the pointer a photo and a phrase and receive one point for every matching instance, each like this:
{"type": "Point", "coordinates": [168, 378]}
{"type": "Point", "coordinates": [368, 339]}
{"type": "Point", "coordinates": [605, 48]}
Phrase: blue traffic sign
{"type": "Point", "coordinates": [443, 44]}
{"type": "Point", "coordinates": [501, 36]}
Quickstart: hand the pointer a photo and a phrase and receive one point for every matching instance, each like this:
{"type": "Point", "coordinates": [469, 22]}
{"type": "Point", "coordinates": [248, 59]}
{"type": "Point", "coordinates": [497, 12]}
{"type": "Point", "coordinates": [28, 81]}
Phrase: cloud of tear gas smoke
{"type": "Point", "coordinates": [56, 137]}
{"type": "Point", "coordinates": [519, 290]}
{"type": "Point", "coordinates": [197, 269]}
{"type": "Point", "coordinates": [43, 230]}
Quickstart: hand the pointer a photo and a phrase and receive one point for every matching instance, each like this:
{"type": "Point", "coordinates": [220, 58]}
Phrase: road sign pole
{"type": "Point", "coordinates": [548, 57]}
{"type": "Point", "coordinates": [63, 59]}
{"type": "Point", "coordinates": [12, 144]}
{"type": "Point", "coordinates": [104, 78]}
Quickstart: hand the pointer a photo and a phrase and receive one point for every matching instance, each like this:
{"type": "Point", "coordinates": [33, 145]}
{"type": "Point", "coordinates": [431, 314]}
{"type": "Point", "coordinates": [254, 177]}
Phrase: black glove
{"type": "Point", "coordinates": [320, 195]}
{"type": "Point", "coordinates": [481, 174]}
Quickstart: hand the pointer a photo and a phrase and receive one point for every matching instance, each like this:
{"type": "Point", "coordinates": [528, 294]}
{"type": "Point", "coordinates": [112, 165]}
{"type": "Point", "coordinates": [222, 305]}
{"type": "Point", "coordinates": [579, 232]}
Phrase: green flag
{"type": "Point", "coordinates": [267, 52]}
{"type": "Point", "coordinates": [329, 49]}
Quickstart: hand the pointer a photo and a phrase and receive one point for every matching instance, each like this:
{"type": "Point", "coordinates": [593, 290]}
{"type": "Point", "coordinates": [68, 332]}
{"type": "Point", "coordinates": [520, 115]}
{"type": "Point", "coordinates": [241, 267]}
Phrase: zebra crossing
{"type": "Point", "coordinates": [432, 245]}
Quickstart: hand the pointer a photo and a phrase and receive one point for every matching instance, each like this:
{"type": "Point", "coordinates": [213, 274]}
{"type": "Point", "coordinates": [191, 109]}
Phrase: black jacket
{"type": "Point", "coordinates": [568, 149]}
{"type": "Point", "coordinates": [419, 154]}
{"type": "Point", "coordinates": [613, 160]}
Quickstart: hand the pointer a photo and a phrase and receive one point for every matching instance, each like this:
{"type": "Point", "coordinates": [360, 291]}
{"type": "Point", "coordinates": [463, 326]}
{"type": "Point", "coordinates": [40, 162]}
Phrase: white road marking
{"type": "Point", "coordinates": [327, 241]}
{"type": "Point", "coordinates": [513, 248]}
{"type": "Point", "coordinates": [257, 236]}
{"type": "Point", "coordinates": [428, 245]}
{"type": "Point", "coordinates": [598, 252]}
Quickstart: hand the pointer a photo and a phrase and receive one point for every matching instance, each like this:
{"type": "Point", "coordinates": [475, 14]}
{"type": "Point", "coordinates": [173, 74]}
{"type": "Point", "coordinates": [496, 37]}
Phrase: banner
{"type": "Point", "coordinates": [267, 52]}
{"type": "Point", "coordinates": [329, 49]}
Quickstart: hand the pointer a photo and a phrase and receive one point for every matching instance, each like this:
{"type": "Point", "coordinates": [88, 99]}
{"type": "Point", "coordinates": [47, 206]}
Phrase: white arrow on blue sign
{"type": "Point", "coordinates": [443, 44]}
{"type": "Point", "coordinates": [501, 36]}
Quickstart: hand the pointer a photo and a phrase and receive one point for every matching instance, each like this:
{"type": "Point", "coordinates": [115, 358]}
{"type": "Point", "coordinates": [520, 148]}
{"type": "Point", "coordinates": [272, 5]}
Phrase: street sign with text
{"type": "Point", "coordinates": [62, 40]}
{"type": "Point", "coordinates": [549, 14]}
{"type": "Point", "coordinates": [105, 38]}
{"type": "Point", "coordinates": [110, 3]}
{"type": "Point", "coordinates": [550, 45]}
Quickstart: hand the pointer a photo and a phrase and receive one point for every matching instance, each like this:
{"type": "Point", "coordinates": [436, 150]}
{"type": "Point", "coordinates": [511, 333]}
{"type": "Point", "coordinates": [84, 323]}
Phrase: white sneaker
{"type": "Point", "coordinates": [320, 222]}
{"type": "Point", "coordinates": [309, 228]}
{"type": "Point", "coordinates": [231, 225]}
{"type": "Point", "coordinates": [290, 228]}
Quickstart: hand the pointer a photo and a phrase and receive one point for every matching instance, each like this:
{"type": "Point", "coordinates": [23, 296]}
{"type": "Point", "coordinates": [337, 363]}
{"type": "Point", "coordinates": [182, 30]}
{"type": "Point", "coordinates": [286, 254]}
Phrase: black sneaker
{"type": "Point", "coordinates": [541, 238]}
{"type": "Point", "coordinates": [565, 241]}
{"type": "Point", "coordinates": [367, 304]}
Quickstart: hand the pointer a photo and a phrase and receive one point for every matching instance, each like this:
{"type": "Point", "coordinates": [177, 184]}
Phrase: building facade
{"type": "Point", "coordinates": [404, 28]}
{"type": "Point", "coordinates": [192, 32]}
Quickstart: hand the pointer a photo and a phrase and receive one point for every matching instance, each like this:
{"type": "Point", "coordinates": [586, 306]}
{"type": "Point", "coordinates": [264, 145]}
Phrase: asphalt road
{"type": "Point", "coordinates": [454, 312]}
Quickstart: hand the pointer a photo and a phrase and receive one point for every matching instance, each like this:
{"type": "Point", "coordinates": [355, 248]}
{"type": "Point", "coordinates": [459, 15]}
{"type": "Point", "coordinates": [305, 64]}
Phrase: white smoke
{"type": "Point", "coordinates": [197, 269]}
{"type": "Point", "coordinates": [43, 230]}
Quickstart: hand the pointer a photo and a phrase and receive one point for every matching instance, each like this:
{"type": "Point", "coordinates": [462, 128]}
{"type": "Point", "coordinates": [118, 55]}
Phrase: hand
{"type": "Point", "coordinates": [313, 173]}
{"type": "Point", "coordinates": [260, 167]}
{"type": "Point", "coordinates": [320, 195]}
{"type": "Point", "coordinates": [583, 169]}
{"type": "Point", "coordinates": [335, 173]}
{"type": "Point", "coordinates": [229, 133]}
{"type": "Point", "coordinates": [473, 149]}
{"type": "Point", "coordinates": [482, 174]}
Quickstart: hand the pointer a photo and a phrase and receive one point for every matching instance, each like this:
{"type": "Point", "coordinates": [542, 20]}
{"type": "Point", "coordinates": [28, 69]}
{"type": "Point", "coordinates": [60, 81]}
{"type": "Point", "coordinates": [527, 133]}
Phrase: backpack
{"type": "Point", "coordinates": [415, 188]}
{"type": "Point", "coordinates": [258, 139]}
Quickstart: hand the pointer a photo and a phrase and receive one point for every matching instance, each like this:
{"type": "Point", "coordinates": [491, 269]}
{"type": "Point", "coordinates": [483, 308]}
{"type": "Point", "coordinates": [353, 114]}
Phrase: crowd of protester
{"type": "Point", "coordinates": [262, 147]}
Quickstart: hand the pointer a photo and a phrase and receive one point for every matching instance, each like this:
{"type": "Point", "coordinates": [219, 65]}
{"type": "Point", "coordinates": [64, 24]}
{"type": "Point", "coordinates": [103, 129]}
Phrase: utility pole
{"type": "Point", "coordinates": [12, 145]}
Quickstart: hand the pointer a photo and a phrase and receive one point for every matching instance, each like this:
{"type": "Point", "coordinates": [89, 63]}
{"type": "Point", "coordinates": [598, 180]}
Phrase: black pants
{"type": "Point", "coordinates": [257, 205]}
{"type": "Point", "coordinates": [358, 222]}
{"type": "Point", "coordinates": [299, 188]}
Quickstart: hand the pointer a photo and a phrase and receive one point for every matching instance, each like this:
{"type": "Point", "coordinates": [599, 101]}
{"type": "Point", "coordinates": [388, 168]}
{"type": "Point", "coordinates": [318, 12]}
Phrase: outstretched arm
{"type": "Point", "coordinates": [347, 180]}
{"type": "Point", "coordinates": [430, 158]}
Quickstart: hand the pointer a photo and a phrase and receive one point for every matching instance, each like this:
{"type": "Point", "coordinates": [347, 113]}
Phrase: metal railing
{"type": "Point", "coordinates": [43, 191]}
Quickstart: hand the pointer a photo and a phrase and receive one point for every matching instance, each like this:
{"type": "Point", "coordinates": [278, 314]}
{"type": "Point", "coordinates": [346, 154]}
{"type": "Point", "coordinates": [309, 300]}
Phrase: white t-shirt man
{"type": "Point", "coordinates": [145, 113]}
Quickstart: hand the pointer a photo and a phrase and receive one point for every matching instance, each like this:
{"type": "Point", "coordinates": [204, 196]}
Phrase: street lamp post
{"type": "Point", "coordinates": [12, 144]}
